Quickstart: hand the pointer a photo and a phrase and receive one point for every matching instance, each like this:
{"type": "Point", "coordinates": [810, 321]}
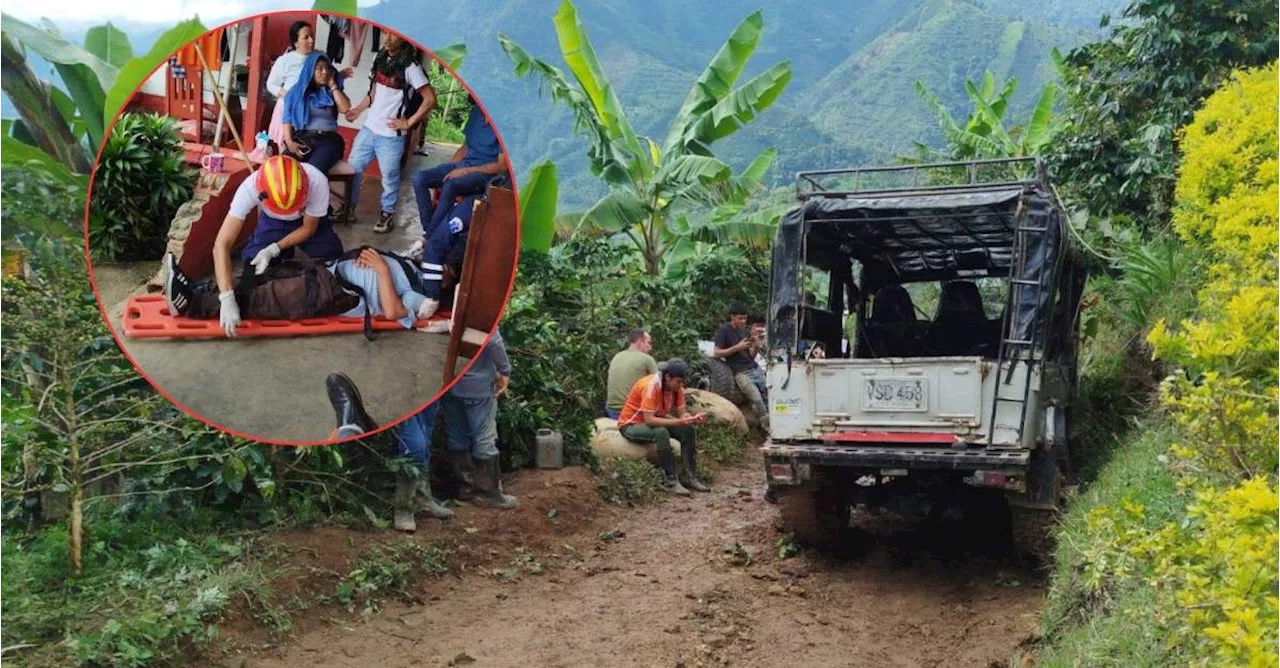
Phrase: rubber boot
{"type": "Point", "coordinates": [427, 503]}
{"type": "Point", "coordinates": [488, 484]}
{"type": "Point", "coordinates": [670, 479]}
{"type": "Point", "coordinates": [464, 471]}
{"type": "Point", "coordinates": [689, 470]}
{"type": "Point", "coordinates": [403, 503]}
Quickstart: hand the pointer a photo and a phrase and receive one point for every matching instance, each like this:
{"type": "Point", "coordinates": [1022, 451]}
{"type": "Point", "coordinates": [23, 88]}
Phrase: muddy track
{"type": "Point", "coordinates": [699, 582]}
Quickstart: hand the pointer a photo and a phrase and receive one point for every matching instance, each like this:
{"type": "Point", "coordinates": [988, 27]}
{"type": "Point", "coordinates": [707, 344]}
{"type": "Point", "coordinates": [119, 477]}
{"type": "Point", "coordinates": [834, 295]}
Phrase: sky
{"type": "Point", "coordinates": [66, 13]}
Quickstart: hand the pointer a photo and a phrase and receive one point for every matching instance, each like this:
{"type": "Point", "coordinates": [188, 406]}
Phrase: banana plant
{"type": "Point", "coordinates": [984, 134]}
{"type": "Point", "coordinates": [652, 184]}
{"type": "Point", "coordinates": [61, 128]}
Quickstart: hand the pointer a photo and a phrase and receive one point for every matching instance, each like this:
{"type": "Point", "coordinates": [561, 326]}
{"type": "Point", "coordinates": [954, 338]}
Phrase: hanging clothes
{"type": "Point", "coordinates": [376, 39]}
{"type": "Point", "coordinates": [336, 46]}
{"type": "Point", "coordinates": [357, 31]}
{"type": "Point", "coordinates": [210, 44]}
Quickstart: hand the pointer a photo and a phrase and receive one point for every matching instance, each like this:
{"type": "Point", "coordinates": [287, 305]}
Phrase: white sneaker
{"type": "Point", "coordinates": [414, 252]}
{"type": "Point", "coordinates": [428, 308]}
{"type": "Point", "coordinates": [437, 327]}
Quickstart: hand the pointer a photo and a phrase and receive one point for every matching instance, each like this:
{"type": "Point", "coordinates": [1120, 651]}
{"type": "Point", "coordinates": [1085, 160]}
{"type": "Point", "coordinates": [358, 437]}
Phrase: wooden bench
{"type": "Point", "coordinates": [344, 175]}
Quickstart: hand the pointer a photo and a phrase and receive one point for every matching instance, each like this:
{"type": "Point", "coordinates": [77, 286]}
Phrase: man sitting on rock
{"type": "Point", "coordinates": [654, 412]}
{"type": "Point", "coordinates": [735, 344]}
{"type": "Point", "coordinates": [626, 367]}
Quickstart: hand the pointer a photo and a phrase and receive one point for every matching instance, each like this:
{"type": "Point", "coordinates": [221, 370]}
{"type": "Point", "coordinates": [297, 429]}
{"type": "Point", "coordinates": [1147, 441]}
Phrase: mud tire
{"type": "Point", "coordinates": [720, 380]}
{"type": "Point", "coordinates": [1033, 534]}
{"type": "Point", "coordinates": [815, 516]}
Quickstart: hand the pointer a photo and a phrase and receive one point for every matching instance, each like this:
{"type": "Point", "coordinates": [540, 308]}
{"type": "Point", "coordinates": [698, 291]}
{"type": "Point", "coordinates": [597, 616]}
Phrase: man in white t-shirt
{"type": "Point", "coordinates": [292, 199]}
{"type": "Point", "coordinates": [396, 73]}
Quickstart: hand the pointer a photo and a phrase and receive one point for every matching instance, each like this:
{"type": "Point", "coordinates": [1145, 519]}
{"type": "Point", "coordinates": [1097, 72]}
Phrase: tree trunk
{"type": "Point", "coordinates": [77, 527]}
{"type": "Point", "coordinates": [35, 106]}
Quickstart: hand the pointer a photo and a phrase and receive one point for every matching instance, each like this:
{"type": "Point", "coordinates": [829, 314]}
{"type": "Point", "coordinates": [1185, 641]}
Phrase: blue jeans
{"type": "Point", "coordinates": [387, 150]}
{"type": "Point", "coordinates": [472, 425]}
{"type": "Point", "coordinates": [433, 177]}
{"type": "Point", "coordinates": [413, 436]}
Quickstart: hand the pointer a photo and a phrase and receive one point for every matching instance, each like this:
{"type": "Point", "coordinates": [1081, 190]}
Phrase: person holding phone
{"type": "Point", "coordinates": [735, 344]}
{"type": "Point", "coordinates": [311, 111]}
{"type": "Point", "coordinates": [655, 413]}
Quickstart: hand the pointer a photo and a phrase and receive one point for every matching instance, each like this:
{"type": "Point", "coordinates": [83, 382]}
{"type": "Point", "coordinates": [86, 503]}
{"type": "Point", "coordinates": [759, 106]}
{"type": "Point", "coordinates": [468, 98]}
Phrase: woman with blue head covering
{"type": "Point", "coordinates": [311, 111]}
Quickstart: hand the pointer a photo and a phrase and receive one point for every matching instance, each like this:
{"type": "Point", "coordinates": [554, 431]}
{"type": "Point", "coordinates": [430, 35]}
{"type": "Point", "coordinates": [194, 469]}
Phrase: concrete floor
{"type": "Point", "coordinates": [273, 389]}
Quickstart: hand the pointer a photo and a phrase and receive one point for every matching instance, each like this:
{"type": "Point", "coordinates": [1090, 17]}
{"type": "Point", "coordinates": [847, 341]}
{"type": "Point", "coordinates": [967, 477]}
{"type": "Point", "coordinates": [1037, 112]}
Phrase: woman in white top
{"type": "Point", "coordinates": [284, 74]}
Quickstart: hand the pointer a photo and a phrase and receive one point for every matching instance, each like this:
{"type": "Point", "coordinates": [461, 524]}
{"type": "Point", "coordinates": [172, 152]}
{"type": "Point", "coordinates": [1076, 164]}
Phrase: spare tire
{"type": "Point", "coordinates": [722, 382]}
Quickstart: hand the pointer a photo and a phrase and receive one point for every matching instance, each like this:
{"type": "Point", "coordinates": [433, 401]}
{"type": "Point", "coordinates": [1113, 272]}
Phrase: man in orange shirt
{"type": "Point", "coordinates": [654, 412]}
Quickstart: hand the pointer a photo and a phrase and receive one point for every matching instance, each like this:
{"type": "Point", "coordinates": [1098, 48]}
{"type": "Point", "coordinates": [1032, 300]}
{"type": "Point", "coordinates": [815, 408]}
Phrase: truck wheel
{"type": "Point", "coordinates": [722, 383]}
{"type": "Point", "coordinates": [1033, 529]}
{"type": "Point", "coordinates": [816, 516]}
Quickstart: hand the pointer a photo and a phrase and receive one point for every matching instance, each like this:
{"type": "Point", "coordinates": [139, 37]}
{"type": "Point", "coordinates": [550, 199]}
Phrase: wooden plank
{"type": "Point", "coordinates": [487, 269]}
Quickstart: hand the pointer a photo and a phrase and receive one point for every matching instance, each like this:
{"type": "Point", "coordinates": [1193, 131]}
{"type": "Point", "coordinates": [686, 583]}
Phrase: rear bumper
{"type": "Point", "coordinates": [799, 457]}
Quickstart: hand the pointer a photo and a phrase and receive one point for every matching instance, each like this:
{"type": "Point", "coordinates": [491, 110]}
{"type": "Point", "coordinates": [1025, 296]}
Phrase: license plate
{"type": "Point", "coordinates": [895, 394]}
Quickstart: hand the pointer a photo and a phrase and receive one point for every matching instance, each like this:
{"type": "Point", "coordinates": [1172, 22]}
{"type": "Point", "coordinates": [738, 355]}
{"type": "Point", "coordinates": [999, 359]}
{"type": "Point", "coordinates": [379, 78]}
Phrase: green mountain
{"type": "Point", "coordinates": [855, 64]}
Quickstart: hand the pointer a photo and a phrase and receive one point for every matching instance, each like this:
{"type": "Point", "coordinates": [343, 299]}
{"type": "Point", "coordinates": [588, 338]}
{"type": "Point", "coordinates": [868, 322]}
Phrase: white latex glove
{"type": "Point", "coordinates": [229, 313]}
{"type": "Point", "coordinates": [264, 258]}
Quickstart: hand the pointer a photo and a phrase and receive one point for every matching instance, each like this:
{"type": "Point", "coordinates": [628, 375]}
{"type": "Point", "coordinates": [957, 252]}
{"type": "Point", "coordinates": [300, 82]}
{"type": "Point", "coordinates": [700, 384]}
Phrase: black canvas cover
{"type": "Point", "coordinates": [919, 236]}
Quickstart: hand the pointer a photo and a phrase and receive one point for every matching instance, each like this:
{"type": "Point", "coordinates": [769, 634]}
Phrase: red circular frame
{"type": "Point", "coordinates": [248, 437]}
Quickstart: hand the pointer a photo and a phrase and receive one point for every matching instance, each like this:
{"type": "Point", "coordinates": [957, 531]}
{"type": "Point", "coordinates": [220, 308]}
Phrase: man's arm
{"type": "Point", "coordinates": [459, 154]}
{"type": "Point", "coordinates": [491, 168]}
{"type": "Point", "coordinates": [304, 232]}
{"type": "Point", "coordinates": [719, 352]}
{"type": "Point", "coordinates": [652, 420]}
{"type": "Point", "coordinates": [222, 251]}
{"type": "Point", "coordinates": [428, 103]}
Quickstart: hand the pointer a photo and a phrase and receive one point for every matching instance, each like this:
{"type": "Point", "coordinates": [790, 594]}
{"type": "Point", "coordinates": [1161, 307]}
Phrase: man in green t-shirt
{"type": "Point", "coordinates": [626, 368]}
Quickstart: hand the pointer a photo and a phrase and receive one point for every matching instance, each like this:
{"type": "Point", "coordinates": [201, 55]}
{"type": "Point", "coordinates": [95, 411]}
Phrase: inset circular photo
{"type": "Point", "coordinates": [302, 227]}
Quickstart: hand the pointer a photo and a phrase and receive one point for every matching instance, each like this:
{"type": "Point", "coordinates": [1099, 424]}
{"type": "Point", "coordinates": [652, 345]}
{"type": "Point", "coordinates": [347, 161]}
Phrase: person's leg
{"type": "Point", "coordinates": [326, 151]}
{"type": "Point", "coordinates": [687, 437]}
{"type": "Point", "coordinates": [414, 438]}
{"type": "Point", "coordinates": [362, 153]}
{"type": "Point", "coordinates": [757, 377]}
{"type": "Point", "coordinates": [661, 440]}
{"type": "Point", "coordinates": [460, 186]}
{"type": "Point", "coordinates": [752, 393]}
{"type": "Point", "coordinates": [482, 419]}
{"type": "Point", "coordinates": [459, 445]}
{"type": "Point", "coordinates": [390, 150]}
{"type": "Point", "coordinates": [433, 257]}
{"type": "Point", "coordinates": [423, 182]}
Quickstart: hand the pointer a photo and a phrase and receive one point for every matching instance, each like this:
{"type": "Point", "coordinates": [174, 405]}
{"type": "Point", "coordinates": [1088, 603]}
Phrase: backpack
{"type": "Point", "coordinates": [295, 289]}
{"type": "Point", "coordinates": [410, 100]}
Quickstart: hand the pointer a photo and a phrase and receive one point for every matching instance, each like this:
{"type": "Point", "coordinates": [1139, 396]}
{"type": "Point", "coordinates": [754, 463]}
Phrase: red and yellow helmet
{"type": "Point", "coordinates": [282, 186]}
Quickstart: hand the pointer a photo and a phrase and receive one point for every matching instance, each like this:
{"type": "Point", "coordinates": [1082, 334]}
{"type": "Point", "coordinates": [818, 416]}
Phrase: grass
{"type": "Point", "coordinates": [388, 571]}
{"type": "Point", "coordinates": [151, 591]}
{"type": "Point", "coordinates": [439, 130]}
{"type": "Point", "coordinates": [1111, 622]}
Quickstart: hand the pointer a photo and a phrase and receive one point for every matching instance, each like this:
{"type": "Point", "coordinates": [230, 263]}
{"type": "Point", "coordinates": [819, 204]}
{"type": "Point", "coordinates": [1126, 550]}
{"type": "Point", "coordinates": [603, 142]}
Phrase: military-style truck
{"type": "Point", "coordinates": [923, 328]}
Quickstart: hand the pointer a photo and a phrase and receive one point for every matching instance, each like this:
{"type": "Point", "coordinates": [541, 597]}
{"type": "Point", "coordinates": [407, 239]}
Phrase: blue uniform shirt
{"type": "Point", "coordinates": [367, 280]}
{"type": "Point", "coordinates": [481, 142]}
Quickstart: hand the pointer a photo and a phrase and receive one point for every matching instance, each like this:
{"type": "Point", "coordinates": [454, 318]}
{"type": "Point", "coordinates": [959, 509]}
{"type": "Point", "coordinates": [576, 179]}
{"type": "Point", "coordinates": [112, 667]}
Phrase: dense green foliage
{"type": "Point", "coordinates": [139, 182]}
{"type": "Point", "coordinates": [1128, 95]}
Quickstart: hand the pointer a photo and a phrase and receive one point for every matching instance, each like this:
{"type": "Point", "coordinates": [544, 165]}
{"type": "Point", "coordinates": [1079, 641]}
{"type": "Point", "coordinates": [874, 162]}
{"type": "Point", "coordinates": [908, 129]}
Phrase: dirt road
{"type": "Point", "coordinates": [696, 582]}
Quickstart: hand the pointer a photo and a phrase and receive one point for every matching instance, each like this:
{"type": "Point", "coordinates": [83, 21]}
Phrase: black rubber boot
{"type": "Point", "coordinates": [464, 471]}
{"type": "Point", "coordinates": [488, 484]}
{"type": "Point", "coordinates": [689, 470]}
{"type": "Point", "coordinates": [348, 408]}
{"type": "Point", "coordinates": [670, 478]}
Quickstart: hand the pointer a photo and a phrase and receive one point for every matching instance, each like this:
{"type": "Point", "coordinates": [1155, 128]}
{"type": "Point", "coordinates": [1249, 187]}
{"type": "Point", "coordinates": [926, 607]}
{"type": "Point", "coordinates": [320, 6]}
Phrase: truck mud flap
{"type": "Point", "coordinates": [898, 457]}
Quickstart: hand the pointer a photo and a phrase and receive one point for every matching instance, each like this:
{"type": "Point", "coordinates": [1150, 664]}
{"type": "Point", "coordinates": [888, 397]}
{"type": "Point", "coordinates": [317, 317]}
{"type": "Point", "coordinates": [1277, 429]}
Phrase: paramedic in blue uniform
{"type": "Point", "coordinates": [293, 212]}
{"type": "Point", "coordinates": [478, 160]}
{"type": "Point", "coordinates": [453, 232]}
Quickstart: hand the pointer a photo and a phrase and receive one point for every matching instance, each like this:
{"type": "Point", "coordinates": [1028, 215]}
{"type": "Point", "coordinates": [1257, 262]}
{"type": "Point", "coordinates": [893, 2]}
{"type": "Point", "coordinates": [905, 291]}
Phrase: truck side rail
{"type": "Point", "coordinates": [967, 176]}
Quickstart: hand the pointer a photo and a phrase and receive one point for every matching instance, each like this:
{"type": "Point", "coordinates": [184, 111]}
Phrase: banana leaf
{"type": "Point", "coordinates": [452, 55]}
{"type": "Point", "coordinates": [538, 208]}
{"type": "Point", "coordinates": [739, 108]}
{"type": "Point", "coordinates": [134, 72]}
{"type": "Point", "coordinates": [110, 44]}
{"type": "Point", "coordinates": [575, 48]}
{"type": "Point", "coordinates": [717, 80]}
{"type": "Point", "coordinates": [616, 212]}
{"type": "Point", "coordinates": [347, 7]}
{"type": "Point", "coordinates": [53, 48]}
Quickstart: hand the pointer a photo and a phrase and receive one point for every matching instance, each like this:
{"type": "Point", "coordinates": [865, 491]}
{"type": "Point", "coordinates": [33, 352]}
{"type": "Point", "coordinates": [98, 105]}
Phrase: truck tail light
{"type": "Point", "coordinates": [781, 472]}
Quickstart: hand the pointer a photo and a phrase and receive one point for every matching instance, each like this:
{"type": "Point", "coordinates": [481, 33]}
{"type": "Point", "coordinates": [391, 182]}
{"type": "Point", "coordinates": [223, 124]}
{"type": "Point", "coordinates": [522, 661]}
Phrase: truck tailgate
{"type": "Point", "coordinates": [941, 393]}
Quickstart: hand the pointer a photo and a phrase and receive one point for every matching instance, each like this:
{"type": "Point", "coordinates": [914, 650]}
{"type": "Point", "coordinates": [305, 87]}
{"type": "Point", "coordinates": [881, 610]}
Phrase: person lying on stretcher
{"type": "Point", "coordinates": [338, 287]}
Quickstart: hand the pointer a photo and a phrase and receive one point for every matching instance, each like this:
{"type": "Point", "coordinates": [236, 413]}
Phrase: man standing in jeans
{"type": "Point", "coordinates": [471, 417]}
{"type": "Point", "coordinates": [396, 74]}
{"type": "Point", "coordinates": [735, 345]}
